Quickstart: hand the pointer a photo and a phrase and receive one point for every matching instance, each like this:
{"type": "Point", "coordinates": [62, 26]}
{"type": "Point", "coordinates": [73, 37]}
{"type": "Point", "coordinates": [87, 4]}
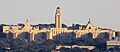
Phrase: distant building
{"type": "Point", "coordinates": [117, 34]}
{"type": "Point", "coordinates": [113, 43]}
{"type": "Point", "coordinates": [88, 47]}
{"type": "Point", "coordinates": [29, 32]}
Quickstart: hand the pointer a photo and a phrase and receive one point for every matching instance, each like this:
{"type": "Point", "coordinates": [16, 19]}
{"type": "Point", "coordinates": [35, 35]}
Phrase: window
{"type": "Point", "coordinates": [89, 27]}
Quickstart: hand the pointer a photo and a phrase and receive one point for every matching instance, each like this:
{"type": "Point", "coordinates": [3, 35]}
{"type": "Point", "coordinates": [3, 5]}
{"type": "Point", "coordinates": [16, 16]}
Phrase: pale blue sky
{"type": "Point", "coordinates": [103, 13]}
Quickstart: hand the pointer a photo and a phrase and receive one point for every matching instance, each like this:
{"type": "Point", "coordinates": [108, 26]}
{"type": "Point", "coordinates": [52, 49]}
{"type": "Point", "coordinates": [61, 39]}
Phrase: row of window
{"type": "Point", "coordinates": [57, 32]}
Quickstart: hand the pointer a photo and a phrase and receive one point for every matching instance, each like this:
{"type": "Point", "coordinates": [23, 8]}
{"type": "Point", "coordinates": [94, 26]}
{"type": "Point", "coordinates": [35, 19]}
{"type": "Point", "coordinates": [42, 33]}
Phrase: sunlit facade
{"type": "Point", "coordinates": [51, 32]}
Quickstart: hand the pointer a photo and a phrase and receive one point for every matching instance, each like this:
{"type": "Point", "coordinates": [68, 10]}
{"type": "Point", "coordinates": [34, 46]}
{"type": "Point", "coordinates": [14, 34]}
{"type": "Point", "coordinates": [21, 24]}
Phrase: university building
{"type": "Point", "coordinates": [33, 32]}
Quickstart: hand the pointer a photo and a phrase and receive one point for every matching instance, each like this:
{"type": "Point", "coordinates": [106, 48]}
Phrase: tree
{"type": "Point", "coordinates": [87, 39]}
{"type": "Point", "coordinates": [63, 49]}
{"type": "Point", "coordinates": [101, 40]}
{"type": "Point", "coordinates": [76, 49]}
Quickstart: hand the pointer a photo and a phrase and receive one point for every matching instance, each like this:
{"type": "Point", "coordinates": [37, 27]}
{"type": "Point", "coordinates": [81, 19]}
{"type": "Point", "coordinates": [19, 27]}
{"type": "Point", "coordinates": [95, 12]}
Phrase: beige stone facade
{"type": "Point", "coordinates": [83, 29]}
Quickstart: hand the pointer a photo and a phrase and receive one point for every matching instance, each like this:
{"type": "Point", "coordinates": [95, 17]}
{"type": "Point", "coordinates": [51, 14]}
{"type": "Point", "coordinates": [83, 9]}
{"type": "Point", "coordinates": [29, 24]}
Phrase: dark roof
{"type": "Point", "coordinates": [58, 7]}
{"type": "Point", "coordinates": [84, 27]}
{"type": "Point", "coordinates": [104, 28]}
{"type": "Point", "coordinates": [88, 22]}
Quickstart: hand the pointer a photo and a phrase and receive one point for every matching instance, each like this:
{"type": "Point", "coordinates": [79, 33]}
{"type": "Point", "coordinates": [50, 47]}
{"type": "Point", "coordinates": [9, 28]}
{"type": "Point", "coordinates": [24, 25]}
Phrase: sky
{"type": "Point", "coordinates": [102, 13]}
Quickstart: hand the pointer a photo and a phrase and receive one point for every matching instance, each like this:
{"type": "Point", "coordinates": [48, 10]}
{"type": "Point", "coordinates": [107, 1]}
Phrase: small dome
{"type": "Point", "coordinates": [58, 7]}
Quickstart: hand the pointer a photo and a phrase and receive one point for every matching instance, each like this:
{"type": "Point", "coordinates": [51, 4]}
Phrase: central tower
{"type": "Point", "coordinates": [58, 18]}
